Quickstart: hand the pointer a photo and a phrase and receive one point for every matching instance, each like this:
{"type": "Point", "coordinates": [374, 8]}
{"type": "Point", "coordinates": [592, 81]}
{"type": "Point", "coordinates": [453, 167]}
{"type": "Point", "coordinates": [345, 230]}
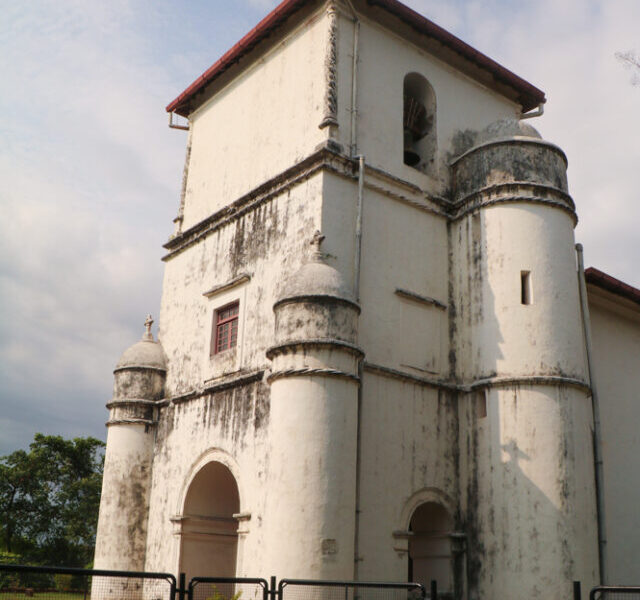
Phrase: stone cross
{"type": "Point", "coordinates": [148, 323]}
{"type": "Point", "coordinates": [316, 241]}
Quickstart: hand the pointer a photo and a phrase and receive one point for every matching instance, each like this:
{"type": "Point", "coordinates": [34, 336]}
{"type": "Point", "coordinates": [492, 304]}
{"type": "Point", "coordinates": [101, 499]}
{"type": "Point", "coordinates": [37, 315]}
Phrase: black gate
{"type": "Point", "coordinates": [304, 589]}
{"type": "Point", "coordinates": [615, 592]}
{"type": "Point", "coordinates": [18, 582]}
{"type": "Point", "coordinates": [228, 588]}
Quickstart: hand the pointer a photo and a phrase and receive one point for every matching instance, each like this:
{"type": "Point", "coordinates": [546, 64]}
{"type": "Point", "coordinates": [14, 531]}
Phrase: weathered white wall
{"type": "Point", "coordinates": [122, 524]}
{"type": "Point", "coordinates": [615, 328]}
{"type": "Point", "coordinates": [266, 243]}
{"type": "Point", "coordinates": [260, 124]}
{"type": "Point", "coordinates": [527, 492]}
{"type": "Point", "coordinates": [497, 334]}
{"type": "Point", "coordinates": [409, 436]}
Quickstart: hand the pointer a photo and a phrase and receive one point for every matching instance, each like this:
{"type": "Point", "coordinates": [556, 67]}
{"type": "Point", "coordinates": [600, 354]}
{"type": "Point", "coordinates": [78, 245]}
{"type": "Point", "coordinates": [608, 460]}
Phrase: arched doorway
{"type": "Point", "coordinates": [209, 531]}
{"type": "Point", "coordinates": [430, 555]}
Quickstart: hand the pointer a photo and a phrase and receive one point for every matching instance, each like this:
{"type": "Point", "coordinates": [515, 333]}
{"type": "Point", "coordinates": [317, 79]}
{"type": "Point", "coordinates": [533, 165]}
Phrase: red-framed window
{"type": "Point", "coordinates": [225, 323]}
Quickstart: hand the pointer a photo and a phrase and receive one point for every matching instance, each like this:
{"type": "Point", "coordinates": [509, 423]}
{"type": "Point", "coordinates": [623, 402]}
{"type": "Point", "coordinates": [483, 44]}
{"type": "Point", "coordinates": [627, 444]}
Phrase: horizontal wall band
{"type": "Point", "coordinates": [517, 200]}
{"type": "Point", "coordinates": [213, 387]}
{"type": "Point", "coordinates": [489, 382]}
{"type": "Point", "coordinates": [309, 372]}
{"type": "Point", "coordinates": [162, 370]}
{"type": "Point", "coordinates": [319, 298]}
{"type": "Point", "coordinates": [130, 422]}
{"type": "Point", "coordinates": [526, 380]}
{"type": "Point", "coordinates": [223, 287]}
{"type": "Point", "coordinates": [537, 191]}
{"type": "Point", "coordinates": [408, 377]}
{"type": "Point", "coordinates": [419, 298]}
{"type": "Point", "coordinates": [330, 343]}
{"type": "Point", "coordinates": [124, 402]}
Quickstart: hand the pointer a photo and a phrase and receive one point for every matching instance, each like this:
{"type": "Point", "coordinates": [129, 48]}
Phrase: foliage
{"type": "Point", "coordinates": [63, 582]}
{"type": "Point", "coordinates": [217, 595]}
{"type": "Point", "coordinates": [49, 499]}
{"type": "Point", "coordinates": [631, 61]}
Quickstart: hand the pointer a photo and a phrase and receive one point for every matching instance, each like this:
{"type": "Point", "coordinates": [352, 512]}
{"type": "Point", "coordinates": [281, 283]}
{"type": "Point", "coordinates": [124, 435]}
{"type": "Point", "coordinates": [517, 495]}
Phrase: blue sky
{"type": "Point", "coordinates": [91, 173]}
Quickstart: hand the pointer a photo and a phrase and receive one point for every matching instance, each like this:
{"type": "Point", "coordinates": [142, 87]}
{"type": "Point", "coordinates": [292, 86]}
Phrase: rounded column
{"type": "Point", "coordinates": [310, 508]}
{"type": "Point", "coordinates": [139, 381]}
{"type": "Point", "coordinates": [529, 500]}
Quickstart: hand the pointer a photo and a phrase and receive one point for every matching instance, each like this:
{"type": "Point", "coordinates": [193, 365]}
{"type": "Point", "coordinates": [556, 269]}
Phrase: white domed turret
{"type": "Point", "coordinates": [145, 354]}
{"type": "Point", "coordinates": [316, 278]}
{"type": "Point", "coordinates": [314, 381]}
{"type": "Point", "coordinates": [518, 345]}
{"type": "Point", "coordinates": [139, 379]}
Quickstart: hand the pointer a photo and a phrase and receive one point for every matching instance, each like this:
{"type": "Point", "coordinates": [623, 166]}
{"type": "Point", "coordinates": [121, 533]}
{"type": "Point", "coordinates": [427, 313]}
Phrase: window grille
{"type": "Point", "coordinates": [226, 328]}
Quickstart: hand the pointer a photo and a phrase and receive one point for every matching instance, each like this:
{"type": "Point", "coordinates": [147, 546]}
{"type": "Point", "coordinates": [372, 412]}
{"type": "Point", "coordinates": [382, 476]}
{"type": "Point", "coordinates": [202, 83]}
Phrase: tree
{"type": "Point", "coordinates": [49, 499]}
{"type": "Point", "coordinates": [630, 61]}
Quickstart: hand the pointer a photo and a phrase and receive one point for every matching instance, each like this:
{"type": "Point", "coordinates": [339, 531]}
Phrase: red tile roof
{"type": "Point", "coordinates": [528, 95]}
{"type": "Point", "coordinates": [611, 284]}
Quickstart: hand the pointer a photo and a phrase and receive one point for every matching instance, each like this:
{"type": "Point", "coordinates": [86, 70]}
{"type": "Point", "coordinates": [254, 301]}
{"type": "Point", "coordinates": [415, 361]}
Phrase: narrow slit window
{"type": "Point", "coordinates": [225, 322]}
{"type": "Point", "coordinates": [525, 287]}
{"type": "Point", "coordinates": [481, 405]}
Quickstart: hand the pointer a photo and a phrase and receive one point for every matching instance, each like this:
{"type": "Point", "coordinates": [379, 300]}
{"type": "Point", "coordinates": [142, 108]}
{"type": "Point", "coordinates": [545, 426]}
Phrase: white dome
{"type": "Point", "coordinates": [505, 129]}
{"type": "Point", "coordinates": [145, 354]}
{"type": "Point", "coordinates": [316, 278]}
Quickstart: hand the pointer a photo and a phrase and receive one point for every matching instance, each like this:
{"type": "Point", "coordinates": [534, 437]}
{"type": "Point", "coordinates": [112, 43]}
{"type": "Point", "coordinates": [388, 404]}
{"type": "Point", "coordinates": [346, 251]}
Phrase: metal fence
{"type": "Point", "coordinates": [615, 592]}
{"type": "Point", "coordinates": [228, 588]}
{"type": "Point", "coordinates": [301, 589]}
{"type": "Point", "coordinates": [19, 582]}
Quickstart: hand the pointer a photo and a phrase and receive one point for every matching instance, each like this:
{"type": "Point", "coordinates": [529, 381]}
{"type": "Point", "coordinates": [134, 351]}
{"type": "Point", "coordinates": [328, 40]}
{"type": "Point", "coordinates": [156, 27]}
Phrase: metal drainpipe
{"type": "Point", "coordinates": [597, 437]}
{"type": "Point", "coordinates": [536, 113]}
{"type": "Point", "coordinates": [353, 150]}
{"type": "Point", "coordinates": [356, 289]}
{"type": "Point", "coordinates": [353, 144]}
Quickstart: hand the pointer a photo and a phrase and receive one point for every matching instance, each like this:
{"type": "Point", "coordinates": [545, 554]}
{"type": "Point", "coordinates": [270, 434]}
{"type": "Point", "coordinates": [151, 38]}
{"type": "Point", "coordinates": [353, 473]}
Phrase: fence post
{"type": "Point", "coordinates": [273, 591]}
{"type": "Point", "coordinates": [434, 590]}
{"type": "Point", "coordinates": [577, 592]}
{"type": "Point", "coordinates": [182, 582]}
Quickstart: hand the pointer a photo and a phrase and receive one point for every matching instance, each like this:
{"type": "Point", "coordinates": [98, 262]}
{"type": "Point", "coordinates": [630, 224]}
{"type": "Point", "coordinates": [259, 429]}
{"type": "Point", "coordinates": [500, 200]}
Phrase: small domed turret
{"type": "Point", "coordinates": [315, 302]}
{"type": "Point", "coordinates": [316, 278]}
{"type": "Point", "coordinates": [139, 381]}
{"type": "Point", "coordinates": [140, 374]}
{"type": "Point", "coordinates": [145, 354]}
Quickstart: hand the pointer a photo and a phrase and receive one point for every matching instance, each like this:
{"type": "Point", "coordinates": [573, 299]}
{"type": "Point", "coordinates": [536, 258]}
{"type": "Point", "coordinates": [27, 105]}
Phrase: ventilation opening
{"type": "Point", "coordinates": [481, 405]}
{"type": "Point", "coordinates": [525, 287]}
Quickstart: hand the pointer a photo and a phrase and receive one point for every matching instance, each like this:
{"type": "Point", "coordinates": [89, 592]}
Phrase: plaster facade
{"type": "Point", "coordinates": [395, 403]}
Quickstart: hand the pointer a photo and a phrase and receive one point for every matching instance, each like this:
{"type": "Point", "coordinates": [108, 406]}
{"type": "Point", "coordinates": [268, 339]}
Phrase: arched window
{"type": "Point", "coordinates": [430, 555]}
{"type": "Point", "coordinates": [209, 531]}
{"type": "Point", "coordinates": [419, 123]}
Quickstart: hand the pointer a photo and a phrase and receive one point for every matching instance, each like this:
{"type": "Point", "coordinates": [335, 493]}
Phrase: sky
{"type": "Point", "coordinates": [91, 173]}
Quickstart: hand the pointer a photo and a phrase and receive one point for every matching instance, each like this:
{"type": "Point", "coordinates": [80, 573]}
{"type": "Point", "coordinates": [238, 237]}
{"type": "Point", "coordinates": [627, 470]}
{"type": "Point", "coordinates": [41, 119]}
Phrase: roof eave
{"type": "Point", "coordinates": [527, 95]}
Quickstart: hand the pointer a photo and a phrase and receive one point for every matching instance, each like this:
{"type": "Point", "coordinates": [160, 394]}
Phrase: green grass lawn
{"type": "Point", "coordinates": [43, 596]}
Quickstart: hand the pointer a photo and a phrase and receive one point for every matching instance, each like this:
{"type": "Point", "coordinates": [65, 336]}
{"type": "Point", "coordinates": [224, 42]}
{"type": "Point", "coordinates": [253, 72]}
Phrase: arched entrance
{"type": "Point", "coordinates": [430, 555]}
{"type": "Point", "coordinates": [209, 531]}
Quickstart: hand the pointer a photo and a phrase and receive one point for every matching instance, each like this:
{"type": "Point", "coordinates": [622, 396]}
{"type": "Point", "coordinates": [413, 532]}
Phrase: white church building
{"type": "Point", "coordinates": [377, 357]}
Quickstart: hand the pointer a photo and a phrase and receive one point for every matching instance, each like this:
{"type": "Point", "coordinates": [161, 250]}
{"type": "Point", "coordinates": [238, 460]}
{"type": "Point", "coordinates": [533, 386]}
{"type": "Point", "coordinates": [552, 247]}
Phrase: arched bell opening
{"type": "Point", "coordinates": [208, 528]}
{"type": "Point", "coordinates": [419, 123]}
{"type": "Point", "coordinates": [430, 547]}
